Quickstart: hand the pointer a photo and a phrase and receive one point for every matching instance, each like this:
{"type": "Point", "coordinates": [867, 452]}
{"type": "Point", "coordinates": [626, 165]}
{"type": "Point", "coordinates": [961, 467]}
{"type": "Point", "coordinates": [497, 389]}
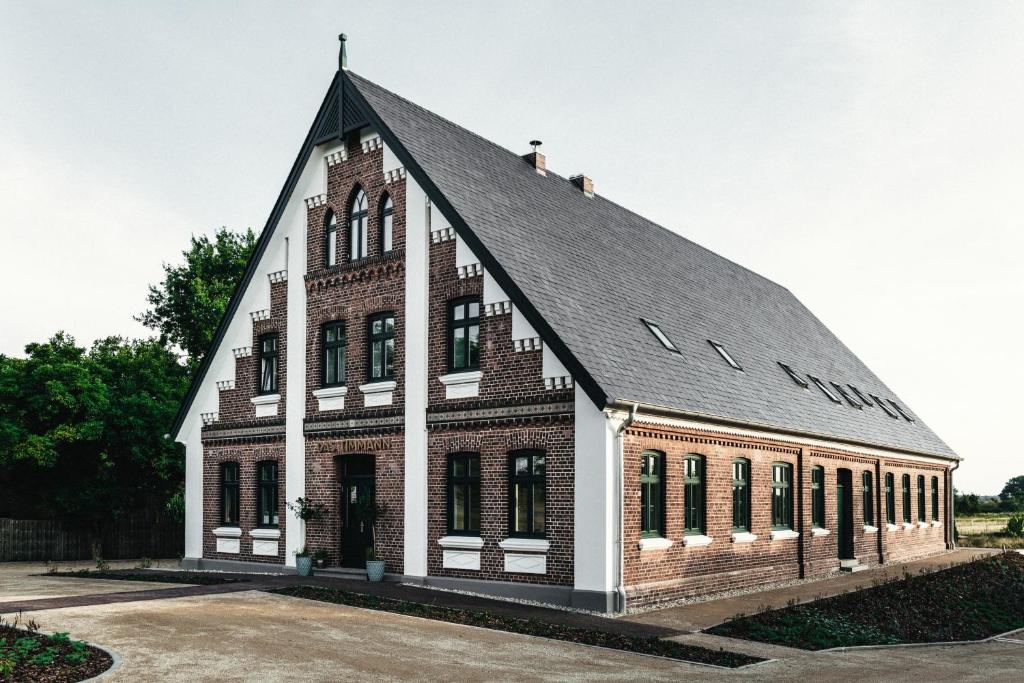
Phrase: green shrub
{"type": "Point", "coordinates": [1015, 526]}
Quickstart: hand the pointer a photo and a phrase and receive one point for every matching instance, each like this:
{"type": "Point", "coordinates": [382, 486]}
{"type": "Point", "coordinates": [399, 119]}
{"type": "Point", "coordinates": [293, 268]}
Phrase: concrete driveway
{"type": "Point", "coordinates": [29, 581]}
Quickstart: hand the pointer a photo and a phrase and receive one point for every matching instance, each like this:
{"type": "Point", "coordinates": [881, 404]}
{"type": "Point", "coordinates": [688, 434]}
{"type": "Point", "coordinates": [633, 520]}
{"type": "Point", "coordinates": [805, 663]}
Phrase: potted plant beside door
{"type": "Point", "coordinates": [370, 512]}
{"type": "Point", "coordinates": [307, 511]}
{"type": "Point", "coordinates": [304, 561]}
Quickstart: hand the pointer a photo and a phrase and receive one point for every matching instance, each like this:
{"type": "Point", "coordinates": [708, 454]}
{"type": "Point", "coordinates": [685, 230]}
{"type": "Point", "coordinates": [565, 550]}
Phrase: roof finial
{"type": "Point", "coordinates": [342, 56]}
{"type": "Point", "coordinates": [535, 144]}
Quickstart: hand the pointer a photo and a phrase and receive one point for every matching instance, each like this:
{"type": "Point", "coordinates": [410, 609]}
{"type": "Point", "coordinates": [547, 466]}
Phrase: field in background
{"type": "Point", "coordinates": [986, 530]}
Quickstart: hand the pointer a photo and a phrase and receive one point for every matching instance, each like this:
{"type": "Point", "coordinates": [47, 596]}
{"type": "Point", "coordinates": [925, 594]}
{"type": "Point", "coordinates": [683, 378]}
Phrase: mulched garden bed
{"type": "Point", "coordinates": [192, 578]}
{"type": "Point", "coordinates": [971, 601]}
{"type": "Point", "coordinates": [532, 627]}
{"type": "Point", "coordinates": [28, 656]}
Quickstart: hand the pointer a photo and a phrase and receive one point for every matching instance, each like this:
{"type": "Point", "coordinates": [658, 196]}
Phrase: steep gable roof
{"type": "Point", "coordinates": [592, 269]}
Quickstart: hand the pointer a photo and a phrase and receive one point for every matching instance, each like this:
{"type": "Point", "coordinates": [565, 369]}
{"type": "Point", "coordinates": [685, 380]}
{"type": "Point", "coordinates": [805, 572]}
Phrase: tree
{"type": "Point", "coordinates": [188, 305]}
{"type": "Point", "coordinates": [1012, 495]}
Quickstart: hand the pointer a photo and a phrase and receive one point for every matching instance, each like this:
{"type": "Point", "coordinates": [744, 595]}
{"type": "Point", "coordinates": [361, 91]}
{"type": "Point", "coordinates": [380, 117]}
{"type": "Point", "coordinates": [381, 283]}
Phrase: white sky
{"type": "Point", "coordinates": [869, 156]}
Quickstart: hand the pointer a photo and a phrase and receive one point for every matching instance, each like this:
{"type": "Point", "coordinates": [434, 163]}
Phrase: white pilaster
{"type": "Point", "coordinates": [193, 488]}
{"type": "Point", "coordinates": [594, 534]}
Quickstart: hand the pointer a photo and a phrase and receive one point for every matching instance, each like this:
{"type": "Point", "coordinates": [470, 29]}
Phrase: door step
{"type": "Point", "coordinates": [852, 566]}
{"type": "Point", "coordinates": [351, 573]}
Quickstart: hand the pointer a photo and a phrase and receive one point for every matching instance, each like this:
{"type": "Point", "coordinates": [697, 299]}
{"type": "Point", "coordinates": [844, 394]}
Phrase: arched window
{"type": "Point", "coordinates": [906, 498]}
{"type": "Point", "coordinates": [331, 239]}
{"type": "Point", "coordinates": [920, 498]}
{"type": "Point", "coordinates": [869, 506]}
{"type": "Point", "coordinates": [693, 494]}
{"type": "Point", "coordinates": [652, 495]}
{"type": "Point", "coordinates": [818, 496]}
{"type": "Point", "coordinates": [935, 498]}
{"type": "Point", "coordinates": [387, 217]}
{"type": "Point", "coordinates": [740, 495]}
{"type": "Point", "coordinates": [890, 499]}
{"type": "Point", "coordinates": [782, 495]}
{"type": "Point", "coordinates": [357, 227]}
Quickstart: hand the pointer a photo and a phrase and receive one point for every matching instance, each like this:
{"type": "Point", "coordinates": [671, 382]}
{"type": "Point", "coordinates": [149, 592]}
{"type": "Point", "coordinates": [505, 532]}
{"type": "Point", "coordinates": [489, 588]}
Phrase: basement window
{"type": "Point", "coordinates": [849, 399]}
{"type": "Point", "coordinates": [900, 410]}
{"type": "Point", "coordinates": [725, 354]}
{"type": "Point", "coordinates": [656, 331]}
{"type": "Point", "coordinates": [881, 404]}
{"type": "Point", "coordinates": [860, 395]}
{"type": "Point", "coordinates": [825, 390]}
{"type": "Point", "coordinates": [792, 375]}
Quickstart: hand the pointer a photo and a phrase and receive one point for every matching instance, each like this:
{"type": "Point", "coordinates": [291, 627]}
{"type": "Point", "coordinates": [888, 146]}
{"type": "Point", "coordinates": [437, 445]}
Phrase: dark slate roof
{"type": "Point", "coordinates": [591, 269]}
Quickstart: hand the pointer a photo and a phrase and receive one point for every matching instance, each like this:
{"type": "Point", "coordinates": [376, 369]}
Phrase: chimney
{"type": "Point", "coordinates": [584, 183]}
{"type": "Point", "coordinates": [536, 159]}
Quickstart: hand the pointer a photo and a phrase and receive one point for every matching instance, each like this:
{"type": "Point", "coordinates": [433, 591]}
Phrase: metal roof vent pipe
{"type": "Point", "coordinates": [536, 159]}
{"type": "Point", "coordinates": [584, 183]}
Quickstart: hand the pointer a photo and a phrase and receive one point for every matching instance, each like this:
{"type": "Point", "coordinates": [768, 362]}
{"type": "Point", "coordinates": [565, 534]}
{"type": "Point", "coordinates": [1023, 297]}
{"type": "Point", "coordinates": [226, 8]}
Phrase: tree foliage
{"type": "Point", "coordinates": [187, 306]}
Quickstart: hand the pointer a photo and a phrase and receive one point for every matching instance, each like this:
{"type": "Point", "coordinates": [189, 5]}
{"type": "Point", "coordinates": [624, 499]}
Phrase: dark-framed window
{"type": "Point", "coordinates": [740, 495]}
{"type": "Point", "coordinates": [818, 496]}
{"type": "Point", "coordinates": [935, 498]}
{"type": "Point", "coordinates": [890, 498]}
{"type": "Point", "coordinates": [229, 495]}
{"type": "Point", "coordinates": [845, 394]}
{"type": "Point", "coordinates": [268, 364]}
{"type": "Point", "coordinates": [887, 409]}
{"type": "Point", "coordinates": [464, 494]}
{"type": "Point", "coordinates": [869, 502]}
{"type": "Point", "coordinates": [921, 511]}
{"type": "Point", "coordinates": [652, 494]}
{"type": "Point", "coordinates": [905, 481]}
{"type": "Point", "coordinates": [464, 334]}
{"type": "Point", "coordinates": [357, 227]}
{"type": "Point", "coordinates": [782, 495]}
{"type": "Point", "coordinates": [693, 494]}
{"type": "Point", "coordinates": [860, 395]}
{"type": "Point", "coordinates": [824, 389]}
{"type": "Point", "coordinates": [330, 239]}
{"type": "Point", "coordinates": [526, 493]}
{"type": "Point", "coordinates": [387, 225]}
{"type": "Point", "coordinates": [334, 354]}
{"type": "Point", "coordinates": [381, 348]}
{"type": "Point", "coordinates": [266, 493]}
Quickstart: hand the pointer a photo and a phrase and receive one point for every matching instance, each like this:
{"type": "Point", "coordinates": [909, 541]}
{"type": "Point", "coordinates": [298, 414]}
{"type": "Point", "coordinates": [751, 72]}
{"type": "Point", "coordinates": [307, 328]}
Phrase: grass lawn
{"type": "Point", "coordinates": [533, 627]}
{"type": "Point", "coordinates": [967, 602]}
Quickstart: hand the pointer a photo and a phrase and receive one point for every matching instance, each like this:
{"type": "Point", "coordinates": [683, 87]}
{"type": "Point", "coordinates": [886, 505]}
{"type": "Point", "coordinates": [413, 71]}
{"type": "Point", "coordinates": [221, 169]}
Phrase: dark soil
{"type": "Point", "coordinates": [192, 578]}
{"type": "Point", "coordinates": [533, 627]}
{"type": "Point", "coordinates": [31, 657]}
{"type": "Point", "coordinates": [967, 602]}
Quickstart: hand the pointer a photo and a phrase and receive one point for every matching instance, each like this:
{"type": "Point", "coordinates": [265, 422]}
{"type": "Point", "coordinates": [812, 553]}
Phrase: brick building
{"type": "Point", "coordinates": [550, 396]}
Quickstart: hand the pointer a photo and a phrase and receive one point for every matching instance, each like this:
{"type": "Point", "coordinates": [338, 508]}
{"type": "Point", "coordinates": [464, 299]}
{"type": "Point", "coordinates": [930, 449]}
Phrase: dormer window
{"type": "Point", "coordinates": [725, 355]}
{"type": "Point", "coordinates": [656, 331]}
{"type": "Point", "coordinates": [387, 218]}
{"type": "Point", "coordinates": [331, 239]}
{"type": "Point", "coordinates": [357, 227]}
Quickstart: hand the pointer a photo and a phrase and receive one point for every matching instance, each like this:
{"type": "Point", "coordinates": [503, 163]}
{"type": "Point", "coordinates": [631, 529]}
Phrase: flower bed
{"type": "Point", "coordinates": [28, 656]}
{"type": "Point", "coordinates": [533, 627]}
{"type": "Point", "coordinates": [966, 602]}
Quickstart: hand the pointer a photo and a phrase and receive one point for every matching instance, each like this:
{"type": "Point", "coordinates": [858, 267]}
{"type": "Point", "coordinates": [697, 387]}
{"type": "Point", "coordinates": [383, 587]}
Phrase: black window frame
{"type": "Point", "coordinates": [726, 356]}
{"type": "Point", "coordinates": [866, 479]}
{"type": "Point", "coordinates": [890, 498]}
{"type": "Point", "coordinates": [660, 335]}
{"type": "Point", "coordinates": [330, 239]}
{"type": "Point", "coordinates": [782, 505]}
{"type": "Point", "coordinates": [337, 346]}
{"type": "Point", "coordinates": [694, 495]}
{"type": "Point", "coordinates": [652, 494]}
{"type": "Point", "coordinates": [741, 495]}
{"type": "Point", "coordinates": [907, 511]}
{"type": "Point", "coordinates": [824, 389]}
{"type": "Point", "coordinates": [800, 381]}
{"type": "Point", "coordinates": [849, 399]}
{"type": "Point", "coordinates": [358, 218]}
{"type": "Point", "coordinates": [899, 409]}
{"type": "Point", "coordinates": [272, 356]}
{"type": "Point", "coordinates": [530, 480]}
{"type": "Point", "coordinates": [818, 497]}
{"type": "Point", "coordinates": [860, 395]}
{"type": "Point", "coordinates": [922, 509]}
{"type": "Point", "coordinates": [935, 499]}
{"type": "Point", "coordinates": [467, 323]}
{"type": "Point", "coordinates": [234, 485]}
{"type": "Point", "coordinates": [387, 229]}
{"type": "Point", "coordinates": [382, 338]}
{"type": "Point", "coordinates": [470, 482]}
{"type": "Point", "coordinates": [881, 404]}
{"type": "Point", "coordinates": [267, 485]}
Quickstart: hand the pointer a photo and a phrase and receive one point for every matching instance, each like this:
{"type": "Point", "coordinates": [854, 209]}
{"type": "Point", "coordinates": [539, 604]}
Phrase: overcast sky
{"type": "Point", "coordinates": [869, 157]}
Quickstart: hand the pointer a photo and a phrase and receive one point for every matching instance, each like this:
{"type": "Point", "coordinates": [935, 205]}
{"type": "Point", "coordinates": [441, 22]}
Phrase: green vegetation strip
{"type": "Point", "coordinates": [31, 657]}
{"type": "Point", "coordinates": [532, 627]}
{"type": "Point", "coordinates": [971, 601]}
{"type": "Point", "coordinates": [176, 577]}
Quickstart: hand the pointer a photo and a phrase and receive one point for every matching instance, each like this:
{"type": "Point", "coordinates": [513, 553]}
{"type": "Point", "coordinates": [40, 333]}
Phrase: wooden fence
{"type": "Point", "coordinates": [39, 540]}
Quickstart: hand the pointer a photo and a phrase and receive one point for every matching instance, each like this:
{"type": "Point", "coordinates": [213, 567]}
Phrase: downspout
{"type": "Point", "coordinates": [950, 507]}
{"type": "Point", "coordinates": [881, 515]}
{"type": "Point", "coordinates": [800, 511]}
{"type": "Point", "coordinates": [620, 499]}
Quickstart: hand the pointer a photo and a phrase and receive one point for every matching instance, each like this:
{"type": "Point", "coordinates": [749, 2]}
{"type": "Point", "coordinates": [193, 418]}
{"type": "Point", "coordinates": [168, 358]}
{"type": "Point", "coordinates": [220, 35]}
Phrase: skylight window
{"type": "Point", "coordinates": [725, 354]}
{"type": "Point", "coordinates": [656, 331]}
{"type": "Point", "coordinates": [900, 410]}
{"type": "Point", "coordinates": [792, 375]}
{"type": "Point", "coordinates": [825, 390]}
{"type": "Point", "coordinates": [861, 396]}
{"type": "Point", "coordinates": [849, 399]}
{"type": "Point", "coordinates": [888, 411]}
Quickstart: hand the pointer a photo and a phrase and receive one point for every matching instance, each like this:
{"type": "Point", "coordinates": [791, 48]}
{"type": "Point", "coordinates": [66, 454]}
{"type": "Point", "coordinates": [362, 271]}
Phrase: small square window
{"type": "Point", "coordinates": [821, 385]}
{"type": "Point", "coordinates": [725, 354]}
{"type": "Point", "coordinates": [656, 331]}
{"type": "Point", "coordinates": [793, 376]}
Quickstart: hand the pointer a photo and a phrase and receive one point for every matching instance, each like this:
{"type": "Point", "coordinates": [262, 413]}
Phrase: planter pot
{"type": "Point", "coordinates": [304, 564]}
{"type": "Point", "coordinates": [375, 570]}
